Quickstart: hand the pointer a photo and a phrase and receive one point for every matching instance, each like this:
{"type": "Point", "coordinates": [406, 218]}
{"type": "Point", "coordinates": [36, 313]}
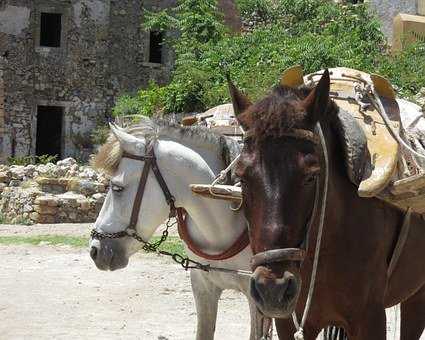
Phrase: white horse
{"type": "Point", "coordinates": [184, 156]}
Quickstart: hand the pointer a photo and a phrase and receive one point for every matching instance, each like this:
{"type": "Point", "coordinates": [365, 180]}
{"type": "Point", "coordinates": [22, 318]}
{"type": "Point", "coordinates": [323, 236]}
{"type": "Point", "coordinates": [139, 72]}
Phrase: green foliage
{"type": "Point", "coordinates": [17, 221]}
{"type": "Point", "coordinates": [100, 134]}
{"type": "Point", "coordinates": [278, 34]}
{"type": "Point", "coordinates": [406, 70]}
{"type": "Point", "coordinates": [26, 160]}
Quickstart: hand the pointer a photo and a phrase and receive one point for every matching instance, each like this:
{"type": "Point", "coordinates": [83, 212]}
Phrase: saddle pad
{"type": "Point", "coordinates": [383, 149]}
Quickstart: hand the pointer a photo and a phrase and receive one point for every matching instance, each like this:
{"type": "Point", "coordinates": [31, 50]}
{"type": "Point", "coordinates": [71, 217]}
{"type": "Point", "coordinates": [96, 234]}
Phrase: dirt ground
{"type": "Point", "coordinates": [55, 292]}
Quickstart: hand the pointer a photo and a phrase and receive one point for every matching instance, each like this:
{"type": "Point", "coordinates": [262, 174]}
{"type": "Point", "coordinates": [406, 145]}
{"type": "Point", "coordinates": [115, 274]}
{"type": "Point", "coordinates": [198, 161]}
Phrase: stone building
{"type": "Point", "coordinates": [62, 65]}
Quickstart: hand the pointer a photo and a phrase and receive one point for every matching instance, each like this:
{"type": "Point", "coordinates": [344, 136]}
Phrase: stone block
{"type": "Point", "coordinates": [46, 219]}
{"type": "Point", "coordinates": [84, 205]}
{"type": "Point", "coordinates": [4, 177]}
{"type": "Point", "coordinates": [34, 216]}
{"type": "Point", "coordinates": [45, 210]}
{"type": "Point", "coordinates": [46, 201]}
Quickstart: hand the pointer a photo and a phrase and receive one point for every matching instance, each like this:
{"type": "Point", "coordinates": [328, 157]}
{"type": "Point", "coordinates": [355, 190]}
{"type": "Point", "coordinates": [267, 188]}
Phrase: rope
{"type": "Point", "coordinates": [380, 108]}
{"type": "Point", "coordinates": [299, 334]}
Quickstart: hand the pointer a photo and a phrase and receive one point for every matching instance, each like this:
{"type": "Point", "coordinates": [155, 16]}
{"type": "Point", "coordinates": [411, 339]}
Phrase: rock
{"type": "Point", "coordinates": [99, 198]}
{"type": "Point", "coordinates": [5, 177]}
{"type": "Point", "coordinates": [15, 183]}
{"type": "Point", "coordinates": [88, 173]}
{"type": "Point", "coordinates": [34, 216]}
{"type": "Point", "coordinates": [45, 210]}
{"type": "Point", "coordinates": [17, 172]}
{"type": "Point", "coordinates": [50, 201]}
{"type": "Point", "coordinates": [46, 219]}
{"type": "Point", "coordinates": [29, 170]}
{"type": "Point", "coordinates": [84, 204]}
{"type": "Point", "coordinates": [67, 162]}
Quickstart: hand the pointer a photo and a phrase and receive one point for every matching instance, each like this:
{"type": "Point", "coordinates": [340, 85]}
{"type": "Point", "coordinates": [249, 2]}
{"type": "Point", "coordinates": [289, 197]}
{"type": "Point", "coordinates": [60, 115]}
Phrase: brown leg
{"type": "Point", "coordinates": [373, 327]}
{"type": "Point", "coordinates": [285, 328]}
{"type": "Point", "coordinates": [413, 316]}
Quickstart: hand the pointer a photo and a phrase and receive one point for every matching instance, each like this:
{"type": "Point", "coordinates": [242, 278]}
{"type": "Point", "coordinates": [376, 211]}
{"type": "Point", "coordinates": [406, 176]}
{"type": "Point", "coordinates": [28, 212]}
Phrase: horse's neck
{"type": "Point", "coordinates": [212, 225]}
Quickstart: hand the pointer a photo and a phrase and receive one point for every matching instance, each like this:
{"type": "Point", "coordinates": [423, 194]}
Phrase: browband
{"type": "Point", "coordinates": [294, 133]}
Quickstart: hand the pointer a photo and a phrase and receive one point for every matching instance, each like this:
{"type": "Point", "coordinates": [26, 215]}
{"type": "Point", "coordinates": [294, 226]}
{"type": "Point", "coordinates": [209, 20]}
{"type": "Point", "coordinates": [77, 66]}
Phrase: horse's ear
{"type": "Point", "coordinates": [317, 101]}
{"type": "Point", "coordinates": [240, 103]}
{"type": "Point", "coordinates": [129, 143]}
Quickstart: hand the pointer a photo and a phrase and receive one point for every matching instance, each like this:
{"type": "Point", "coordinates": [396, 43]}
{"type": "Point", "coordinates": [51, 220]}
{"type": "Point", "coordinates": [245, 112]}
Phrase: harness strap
{"type": "Point", "coordinates": [142, 183]}
{"type": "Point", "coordinates": [240, 244]}
{"type": "Point", "coordinates": [402, 238]}
{"type": "Point", "coordinates": [161, 181]}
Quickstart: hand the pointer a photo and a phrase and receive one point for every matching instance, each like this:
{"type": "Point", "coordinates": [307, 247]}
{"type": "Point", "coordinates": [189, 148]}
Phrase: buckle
{"type": "Point", "coordinates": [130, 232]}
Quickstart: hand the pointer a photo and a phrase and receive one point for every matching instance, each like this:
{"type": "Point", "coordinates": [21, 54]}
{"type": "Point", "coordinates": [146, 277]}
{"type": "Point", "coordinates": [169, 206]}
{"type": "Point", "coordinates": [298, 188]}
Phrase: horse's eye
{"type": "Point", "coordinates": [310, 179]}
{"type": "Point", "coordinates": [116, 188]}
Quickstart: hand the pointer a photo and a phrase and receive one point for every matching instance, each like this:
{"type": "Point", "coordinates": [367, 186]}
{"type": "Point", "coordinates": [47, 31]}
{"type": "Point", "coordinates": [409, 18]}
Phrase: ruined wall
{"type": "Point", "coordinates": [101, 55]}
{"type": "Point", "coordinates": [2, 127]}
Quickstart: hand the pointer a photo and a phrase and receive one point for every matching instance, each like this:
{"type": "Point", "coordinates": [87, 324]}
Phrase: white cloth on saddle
{"type": "Point", "coordinates": [413, 123]}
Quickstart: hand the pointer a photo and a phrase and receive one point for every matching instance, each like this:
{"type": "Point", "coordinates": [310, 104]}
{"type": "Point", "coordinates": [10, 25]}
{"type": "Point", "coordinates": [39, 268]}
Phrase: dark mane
{"type": "Point", "coordinates": [281, 111]}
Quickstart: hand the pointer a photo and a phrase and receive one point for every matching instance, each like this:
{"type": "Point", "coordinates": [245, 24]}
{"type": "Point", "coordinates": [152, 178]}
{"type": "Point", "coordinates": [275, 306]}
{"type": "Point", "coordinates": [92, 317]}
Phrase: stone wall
{"type": "Point", "coordinates": [61, 193]}
{"type": "Point", "coordinates": [102, 55]}
{"type": "Point", "coordinates": [2, 127]}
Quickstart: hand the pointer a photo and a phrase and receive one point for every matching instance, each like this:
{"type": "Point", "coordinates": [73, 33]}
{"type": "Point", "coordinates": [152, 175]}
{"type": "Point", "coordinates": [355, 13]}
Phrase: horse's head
{"type": "Point", "coordinates": [279, 166]}
{"type": "Point", "coordinates": [135, 203]}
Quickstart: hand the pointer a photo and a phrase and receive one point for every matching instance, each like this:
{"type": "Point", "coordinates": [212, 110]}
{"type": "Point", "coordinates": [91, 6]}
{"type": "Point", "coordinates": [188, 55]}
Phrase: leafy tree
{"type": "Point", "coordinates": [277, 34]}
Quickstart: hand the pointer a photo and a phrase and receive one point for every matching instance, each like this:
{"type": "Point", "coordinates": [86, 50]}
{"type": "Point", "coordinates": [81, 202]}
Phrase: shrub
{"type": "Point", "coordinates": [26, 160]}
{"type": "Point", "coordinates": [278, 34]}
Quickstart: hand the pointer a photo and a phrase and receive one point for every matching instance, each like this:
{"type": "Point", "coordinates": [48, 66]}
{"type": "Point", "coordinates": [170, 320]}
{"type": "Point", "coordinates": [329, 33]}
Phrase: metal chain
{"type": "Point", "coordinates": [186, 262]}
{"type": "Point", "coordinates": [153, 247]}
{"type": "Point", "coordinates": [147, 246]}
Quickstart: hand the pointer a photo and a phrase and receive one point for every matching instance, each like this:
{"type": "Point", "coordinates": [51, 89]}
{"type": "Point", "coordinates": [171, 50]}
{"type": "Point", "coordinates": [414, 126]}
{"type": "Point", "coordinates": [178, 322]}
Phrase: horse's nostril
{"type": "Point", "coordinates": [93, 253]}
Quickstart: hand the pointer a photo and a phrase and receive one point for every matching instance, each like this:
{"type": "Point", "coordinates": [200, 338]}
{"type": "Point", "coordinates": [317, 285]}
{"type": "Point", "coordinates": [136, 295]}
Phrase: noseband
{"type": "Point", "coordinates": [150, 163]}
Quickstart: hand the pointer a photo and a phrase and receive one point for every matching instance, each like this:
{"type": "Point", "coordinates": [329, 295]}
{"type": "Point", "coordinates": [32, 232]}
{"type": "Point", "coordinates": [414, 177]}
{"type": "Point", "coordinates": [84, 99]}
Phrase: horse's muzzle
{"type": "Point", "coordinates": [274, 297]}
{"type": "Point", "coordinates": [108, 254]}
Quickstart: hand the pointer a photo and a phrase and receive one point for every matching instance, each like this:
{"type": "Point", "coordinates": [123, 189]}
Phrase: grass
{"type": "Point", "coordinates": [172, 245]}
{"type": "Point", "coordinates": [74, 241]}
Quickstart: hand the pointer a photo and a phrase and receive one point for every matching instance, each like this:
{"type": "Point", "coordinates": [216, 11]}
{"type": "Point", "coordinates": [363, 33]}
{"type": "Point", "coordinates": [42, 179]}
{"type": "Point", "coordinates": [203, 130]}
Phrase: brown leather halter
{"type": "Point", "coordinates": [180, 213]}
{"type": "Point", "coordinates": [291, 254]}
{"type": "Point", "coordinates": [150, 163]}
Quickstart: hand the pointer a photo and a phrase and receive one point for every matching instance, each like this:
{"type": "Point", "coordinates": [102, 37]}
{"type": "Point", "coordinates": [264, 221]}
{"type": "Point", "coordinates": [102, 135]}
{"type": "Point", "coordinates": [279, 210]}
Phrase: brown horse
{"type": "Point", "coordinates": [282, 170]}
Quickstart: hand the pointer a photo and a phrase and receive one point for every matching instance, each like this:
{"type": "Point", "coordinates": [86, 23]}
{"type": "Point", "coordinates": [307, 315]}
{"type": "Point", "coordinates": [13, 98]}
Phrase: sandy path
{"type": "Point", "coordinates": [55, 292]}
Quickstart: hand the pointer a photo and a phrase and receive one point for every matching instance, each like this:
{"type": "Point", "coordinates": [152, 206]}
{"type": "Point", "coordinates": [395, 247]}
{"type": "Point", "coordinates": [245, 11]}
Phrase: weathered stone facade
{"type": "Point", "coordinates": [103, 53]}
{"type": "Point", "coordinates": [2, 126]}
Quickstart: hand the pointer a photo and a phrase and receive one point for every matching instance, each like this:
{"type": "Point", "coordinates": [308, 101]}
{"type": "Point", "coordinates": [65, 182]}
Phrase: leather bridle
{"type": "Point", "coordinates": [179, 213]}
{"type": "Point", "coordinates": [291, 254]}
{"type": "Point", "coordinates": [150, 164]}
{"type": "Point", "coordinates": [298, 254]}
